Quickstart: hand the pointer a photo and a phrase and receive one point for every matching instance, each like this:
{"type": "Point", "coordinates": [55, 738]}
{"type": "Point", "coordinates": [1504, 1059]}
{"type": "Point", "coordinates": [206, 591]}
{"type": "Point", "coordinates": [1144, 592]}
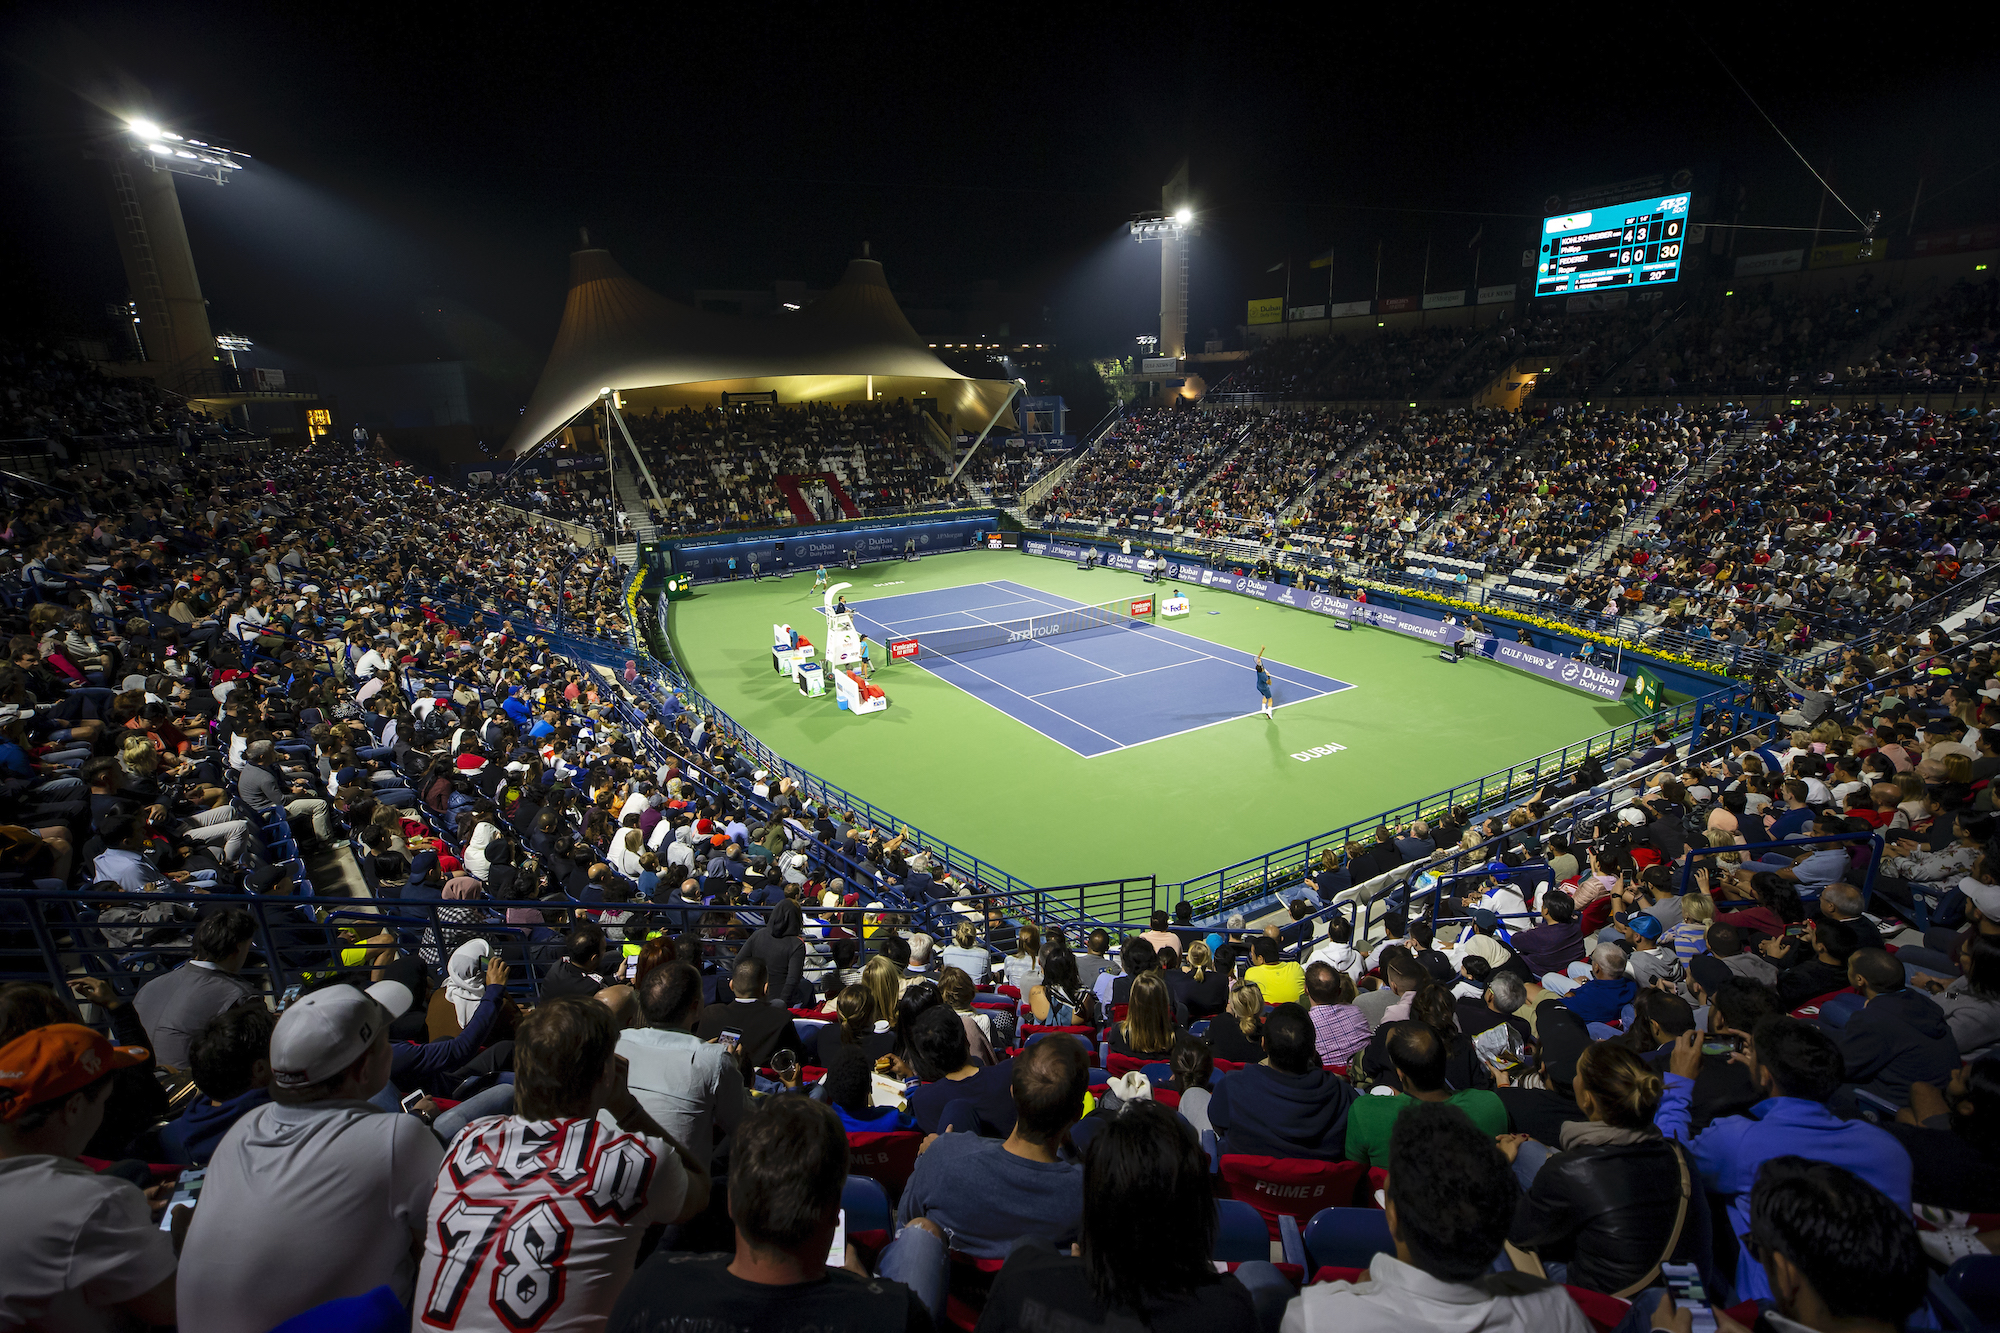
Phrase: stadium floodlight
{"type": "Point", "coordinates": [1184, 216]}
{"type": "Point", "coordinates": [1157, 226]}
{"type": "Point", "coordinates": [166, 151]}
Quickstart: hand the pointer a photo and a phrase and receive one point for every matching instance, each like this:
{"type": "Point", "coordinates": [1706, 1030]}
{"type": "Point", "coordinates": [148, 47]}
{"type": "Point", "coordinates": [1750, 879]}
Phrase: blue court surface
{"type": "Point", "coordinates": [1093, 691]}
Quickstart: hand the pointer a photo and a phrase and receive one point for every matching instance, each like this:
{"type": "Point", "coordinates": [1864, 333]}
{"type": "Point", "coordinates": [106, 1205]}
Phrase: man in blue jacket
{"type": "Point", "coordinates": [1798, 1068]}
{"type": "Point", "coordinates": [1604, 997]}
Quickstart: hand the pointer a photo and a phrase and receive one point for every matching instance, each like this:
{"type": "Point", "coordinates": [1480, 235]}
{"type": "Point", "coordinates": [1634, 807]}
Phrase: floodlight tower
{"type": "Point", "coordinates": [1171, 226]}
{"type": "Point", "coordinates": [152, 240]}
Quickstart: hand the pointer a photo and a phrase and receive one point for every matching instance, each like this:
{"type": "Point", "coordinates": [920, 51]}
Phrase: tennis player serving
{"type": "Point", "coordinates": [1264, 682]}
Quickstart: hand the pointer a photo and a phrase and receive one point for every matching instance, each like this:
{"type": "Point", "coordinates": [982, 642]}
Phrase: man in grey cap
{"type": "Point", "coordinates": [318, 1195]}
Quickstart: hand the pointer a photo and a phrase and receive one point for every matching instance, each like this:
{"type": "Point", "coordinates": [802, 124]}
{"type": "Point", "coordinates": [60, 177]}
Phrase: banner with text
{"type": "Point", "coordinates": [1347, 309]}
{"type": "Point", "coordinates": [1444, 300]}
{"type": "Point", "coordinates": [1156, 365]}
{"type": "Point", "coordinates": [1308, 312]}
{"type": "Point", "coordinates": [1395, 305]}
{"type": "Point", "coordinates": [1777, 261]}
{"type": "Point", "coordinates": [1522, 657]}
{"type": "Point", "coordinates": [1495, 295]}
{"type": "Point", "coordinates": [1268, 310]}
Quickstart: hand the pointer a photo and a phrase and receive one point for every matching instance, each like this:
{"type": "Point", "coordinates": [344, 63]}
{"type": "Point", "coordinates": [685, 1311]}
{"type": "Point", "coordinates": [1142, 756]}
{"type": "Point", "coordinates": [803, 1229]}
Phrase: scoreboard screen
{"type": "Point", "coordinates": [1624, 245]}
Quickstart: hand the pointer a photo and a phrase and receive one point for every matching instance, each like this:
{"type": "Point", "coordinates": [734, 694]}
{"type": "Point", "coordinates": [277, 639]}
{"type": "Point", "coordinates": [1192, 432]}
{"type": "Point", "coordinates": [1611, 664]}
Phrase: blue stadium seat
{"type": "Point", "coordinates": [1240, 1235]}
{"type": "Point", "coordinates": [867, 1205]}
{"type": "Point", "coordinates": [1347, 1238]}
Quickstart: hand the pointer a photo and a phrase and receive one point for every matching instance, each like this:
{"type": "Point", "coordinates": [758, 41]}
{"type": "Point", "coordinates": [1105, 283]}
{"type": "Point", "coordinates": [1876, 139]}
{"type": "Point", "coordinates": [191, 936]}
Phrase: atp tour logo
{"type": "Point", "coordinates": [1032, 632]}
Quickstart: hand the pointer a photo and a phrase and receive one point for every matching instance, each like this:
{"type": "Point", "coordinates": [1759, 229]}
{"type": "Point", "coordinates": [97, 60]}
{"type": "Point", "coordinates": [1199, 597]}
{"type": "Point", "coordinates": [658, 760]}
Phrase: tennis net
{"type": "Point", "coordinates": [1073, 620]}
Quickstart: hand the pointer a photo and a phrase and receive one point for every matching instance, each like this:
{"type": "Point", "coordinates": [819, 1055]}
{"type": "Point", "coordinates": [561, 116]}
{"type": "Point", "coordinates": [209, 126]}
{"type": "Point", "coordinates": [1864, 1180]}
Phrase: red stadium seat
{"type": "Point", "coordinates": [1291, 1187]}
{"type": "Point", "coordinates": [1596, 916]}
{"type": "Point", "coordinates": [885, 1157]}
{"type": "Point", "coordinates": [1126, 1064]}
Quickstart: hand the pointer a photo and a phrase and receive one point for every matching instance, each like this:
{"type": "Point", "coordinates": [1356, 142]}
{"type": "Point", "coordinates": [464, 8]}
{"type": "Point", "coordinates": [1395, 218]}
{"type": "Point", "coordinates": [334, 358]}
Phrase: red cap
{"type": "Point", "coordinates": [469, 762]}
{"type": "Point", "coordinates": [54, 1061]}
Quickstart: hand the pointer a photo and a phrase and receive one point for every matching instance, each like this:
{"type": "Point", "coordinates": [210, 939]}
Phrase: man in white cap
{"type": "Point", "coordinates": [318, 1195]}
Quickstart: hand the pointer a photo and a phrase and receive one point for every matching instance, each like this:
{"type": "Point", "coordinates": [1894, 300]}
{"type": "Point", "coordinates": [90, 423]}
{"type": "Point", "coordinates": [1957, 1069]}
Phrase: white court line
{"type": "Point", "coordinates": [1191, 640]}
{"type": "Point", "coordinates": [1127, 675]}
{"type": "Point", "coordinates": [1031, 699]}
{"type": "Point", "coordinates": [931, 667]}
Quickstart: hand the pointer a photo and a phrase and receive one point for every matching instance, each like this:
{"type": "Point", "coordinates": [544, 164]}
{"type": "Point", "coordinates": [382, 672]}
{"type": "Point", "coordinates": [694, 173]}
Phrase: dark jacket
{"type": "Point", "coordinates": [1264, 1112]}
{"type": "Point", "coordinates": [765, 1028]}
{"type": "Point", "coordinates": [1900, 1037]}
{"type": "Point", "coordinates": [783, 952]}
{"type": "Point", "coordinates": [1550, 948]}
{"type": "Point", "coordinates": [1607, 1210]}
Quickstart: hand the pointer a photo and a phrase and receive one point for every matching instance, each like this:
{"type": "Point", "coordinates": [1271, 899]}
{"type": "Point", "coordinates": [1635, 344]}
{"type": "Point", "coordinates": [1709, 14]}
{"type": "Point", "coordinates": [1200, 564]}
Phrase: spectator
{"type": "Point", "coordinates": [564, 1187]}
{"type": "Point", "coordinates": [1451, 1198]}
{"type": "Point", "coordinates": [987, 1194]}
{"type": "Point", "coordinates": [1238, 1035]}
{"type": "Point", "coordinates": [1798, 1068]}
{"type": "Point", "coordinates": [80, 1249]}
{"type": "Point", "coordinates": [1899, 1037]}
{"type": "Point", "coordinates": [1147, 1234]}
{"type": "Point", "coordinates": [1420, 1057]}
{"type": "Point", "coordinates": [966, 953]}
{"type": "Point", "coordinates": [176, 1006]}
{"type": "Point", "coordinates": [319, 1185]}
{"type": "Point", "coordinates": [1602, 998]}
{"type": "Point", "coordinates": [691, 1088]}
{"type": "Point", "coordinates": [785, 1180]}
{"type": "Point", "coordinates": [1618, 1200]}
{"type": "Point", "coordinates": [1090, 964]}
{"type": "Point", "coordinates": [1554, 945]}
{"type": "Point", "coordinates": [1971, 1004]}
{"type": "Point", "coordinates": [1339, 1030]}
{"type": "Point", "coordinates": [780, 946]}
{"type": "Point", "coordinates": [1281, 983]}
{"type": "Point", "coordinates": [578, 971]}
{"type": "Point", "coordinates": [1286, 1105]}
{"type": "Point", "coordinates": [1839, 1255]}
{"type": "Point", "coordinates": [761, 1029]}
{"type": "Point", "coordinates": [1192, 1067]}
{"type": "Point", "coordinates": [849, 1088]}
{"type": "Point", "coordinates": [941, 1059]}
{"type": "Point", "coordinates": [1148, 1029]}
{"type": "Point", "coordinates": [231, 1063]}
{"type": "Point", "coordinates": [1953, 1138]}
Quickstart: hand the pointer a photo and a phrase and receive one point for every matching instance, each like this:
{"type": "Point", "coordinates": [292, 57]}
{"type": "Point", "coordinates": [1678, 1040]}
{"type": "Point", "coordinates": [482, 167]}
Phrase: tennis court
{"type": "Point", "coordinates": [1092, 682]}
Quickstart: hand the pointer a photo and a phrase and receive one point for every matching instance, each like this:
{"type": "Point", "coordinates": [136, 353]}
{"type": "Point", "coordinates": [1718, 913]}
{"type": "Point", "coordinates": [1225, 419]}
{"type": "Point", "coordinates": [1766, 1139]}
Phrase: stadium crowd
{"type": "Point", "coordinates": [678, 1046]}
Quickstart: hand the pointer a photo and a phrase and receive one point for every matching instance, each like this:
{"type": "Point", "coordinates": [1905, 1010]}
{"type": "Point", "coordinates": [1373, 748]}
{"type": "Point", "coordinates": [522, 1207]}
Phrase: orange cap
{"type": "Point", "coordinates": [55, 1061]}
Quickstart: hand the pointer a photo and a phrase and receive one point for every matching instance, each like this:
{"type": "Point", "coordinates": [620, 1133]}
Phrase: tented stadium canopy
{"type": "Point", "coordinates": [656, 352]}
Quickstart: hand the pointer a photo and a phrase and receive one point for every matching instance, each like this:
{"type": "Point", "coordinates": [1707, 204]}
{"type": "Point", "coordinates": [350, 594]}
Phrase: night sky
{"type": "Point", "coordinates": [421, 164]}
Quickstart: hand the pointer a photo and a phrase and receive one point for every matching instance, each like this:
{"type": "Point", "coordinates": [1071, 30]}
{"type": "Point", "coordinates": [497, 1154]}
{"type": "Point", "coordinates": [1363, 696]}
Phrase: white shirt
{"type": "Point", "coordinates": [1400, 1297]}
{"type": "Point", "coordinates": [513, 1192]}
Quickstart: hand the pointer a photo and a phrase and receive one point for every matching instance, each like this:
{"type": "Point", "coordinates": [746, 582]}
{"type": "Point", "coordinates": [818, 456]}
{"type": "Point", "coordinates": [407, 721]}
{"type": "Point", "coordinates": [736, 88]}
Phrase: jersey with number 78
{"type": "Point", "coordinates": [535, 1224]}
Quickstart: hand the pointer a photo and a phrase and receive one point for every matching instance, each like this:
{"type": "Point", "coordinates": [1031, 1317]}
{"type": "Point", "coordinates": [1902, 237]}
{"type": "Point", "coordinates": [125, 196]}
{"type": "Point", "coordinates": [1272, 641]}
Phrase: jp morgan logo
{"type": "Point", "coordinates": [1032, 632]}
{"type": "Point", "coordinates": [1570, 672]}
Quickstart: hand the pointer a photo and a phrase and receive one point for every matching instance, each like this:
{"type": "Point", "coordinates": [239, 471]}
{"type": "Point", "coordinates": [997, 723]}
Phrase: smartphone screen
{"type": "Point", "coordinates": [186, 1191]}
{"type": "Point", "coordinates": [732, 1040]}
{"type": "Point", "coordinates": [837, 1255]}
{"type": "Point", "coordinates": [409, 1103]}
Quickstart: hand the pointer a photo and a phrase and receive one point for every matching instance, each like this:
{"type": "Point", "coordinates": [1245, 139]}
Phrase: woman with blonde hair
{"type": "Point", "coordinates": [1148, 1031]}
{"type": "Point", "coordinates": [1617, 1200]}
{"type": "Point", "coordinates": [1238, 1034]}
{"type": "Point", "coordinates": [1023, 967]}
{"type": "Point", "coordinates": [861, 1027]}
{"type": "Point", "coordinates": [1915, 807]}
{"type": "Point", "coordinates": [1689, 938]}
{"type": "Point", "coordinates": [967, 954]}
{"type": "Point", "coordinates": [1208, 985]}
{"type": "Point", "coordinates": [884, 981]}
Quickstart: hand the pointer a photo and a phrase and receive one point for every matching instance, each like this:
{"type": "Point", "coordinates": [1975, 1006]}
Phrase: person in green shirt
{"type": "Point", "coordinates": [1418, 1054]}
{"type": "Point", "coordinates": [1282, 983]}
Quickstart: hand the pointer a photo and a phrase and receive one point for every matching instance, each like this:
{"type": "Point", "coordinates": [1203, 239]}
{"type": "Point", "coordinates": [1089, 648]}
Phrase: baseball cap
{"type": "Point", "coordinates": [54, 1061]}
{"type": "Point", "coordinates": [1986, 897]}
{"type": "Point", "coordinates": [1710, 973]}
{"type": "Point", "coordinates": [325, 1031]}
{"type": "Point", "coordinates": [1649, 926]}
{"type": "Point", "coordinates": [1482, 919]}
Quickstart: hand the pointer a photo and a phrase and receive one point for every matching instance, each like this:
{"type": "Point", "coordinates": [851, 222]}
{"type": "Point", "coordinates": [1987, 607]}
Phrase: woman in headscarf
{"type": "Point", "coordinates": [453, 1003]}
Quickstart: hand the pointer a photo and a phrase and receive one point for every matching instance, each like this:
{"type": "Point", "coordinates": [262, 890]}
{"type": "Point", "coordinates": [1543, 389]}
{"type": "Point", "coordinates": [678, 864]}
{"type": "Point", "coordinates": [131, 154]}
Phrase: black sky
{"type": "Point", "coordinates": [421, 157]}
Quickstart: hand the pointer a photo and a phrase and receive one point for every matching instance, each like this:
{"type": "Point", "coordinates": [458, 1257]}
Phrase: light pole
{"type": "Point", "coordinates": [1172, 230]}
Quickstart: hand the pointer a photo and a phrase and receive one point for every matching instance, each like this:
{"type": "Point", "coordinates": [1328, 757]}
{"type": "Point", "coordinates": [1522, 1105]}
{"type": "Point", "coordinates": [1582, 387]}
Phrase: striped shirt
{"type": "Point", "coordinates": [1341, 1030]}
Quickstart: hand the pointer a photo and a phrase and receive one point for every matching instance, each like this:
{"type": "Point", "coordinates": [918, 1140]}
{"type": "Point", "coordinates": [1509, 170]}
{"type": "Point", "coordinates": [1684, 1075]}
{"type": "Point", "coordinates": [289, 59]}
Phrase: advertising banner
{"type": "Point", "coordinates": [1174, 606]}
{"type": "Point", "coordinates": [1142, 606]}
{"type": "Point", "coordinates": [1496, 295]}
{"type": "Point", "coordinates": [1444, 300]}
{"type": "Point", "coordinates": [1159, 365]}
{"type": "Point", "coordinates": [1392, 305]}
{"type": "Point", "coordinates": [1347, 309]}
{"type": "Point", "coordinates": [1778, 261]}
{"type": "Point", "coordinates": [707, 558]}
{"type": "Point", "coordinates": [1308, 312]}
{"type": "Point", "coordinates": [1983, 237]}
{"type": "Point", "coordinates": [1268, 310]}
{"type": "Point", "coordinates": [1522, 657]}
{"type": "Point", "coordinates": [902, 648]}
{"type": "Point", "coordinates": [268, 380]}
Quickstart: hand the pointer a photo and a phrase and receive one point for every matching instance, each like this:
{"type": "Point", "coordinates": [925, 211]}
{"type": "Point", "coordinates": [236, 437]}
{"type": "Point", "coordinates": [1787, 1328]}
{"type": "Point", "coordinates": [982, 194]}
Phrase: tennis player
{"type": "Point", "coordinates": [1264, 683]}
{"type": "Point", "coordinates": [819, 580]}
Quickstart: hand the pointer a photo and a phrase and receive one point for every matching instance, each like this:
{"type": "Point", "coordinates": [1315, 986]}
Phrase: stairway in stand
{"type": "Point", "coordinates": [788, 486]}
{"type": "Point", "coordinates": [840, 496]}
